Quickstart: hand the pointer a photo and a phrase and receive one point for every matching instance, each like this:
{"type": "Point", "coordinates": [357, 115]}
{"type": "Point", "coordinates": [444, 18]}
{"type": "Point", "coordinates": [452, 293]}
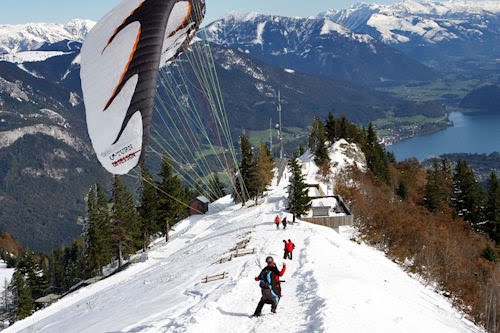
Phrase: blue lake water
{"type": "Point", "coordinates": [471, 133]}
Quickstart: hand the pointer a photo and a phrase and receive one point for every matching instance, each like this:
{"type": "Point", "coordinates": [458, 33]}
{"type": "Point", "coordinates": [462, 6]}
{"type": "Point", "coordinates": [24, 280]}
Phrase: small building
{"type": "Point", "coordinates": [199, 205]}
{"type": "Point", "coordinates": [329, 211]}
{"type": "Point", "coordinates": [327, 206]}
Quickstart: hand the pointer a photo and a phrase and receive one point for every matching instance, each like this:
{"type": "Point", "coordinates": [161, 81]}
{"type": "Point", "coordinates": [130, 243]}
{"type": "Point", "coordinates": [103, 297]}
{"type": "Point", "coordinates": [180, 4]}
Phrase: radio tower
{"type": "Point", "coordinates": [280, 132]}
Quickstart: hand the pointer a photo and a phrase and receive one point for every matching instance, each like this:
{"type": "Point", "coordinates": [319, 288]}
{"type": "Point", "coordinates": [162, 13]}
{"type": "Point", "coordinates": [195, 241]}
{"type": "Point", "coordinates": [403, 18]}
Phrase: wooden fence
{"type": "Point", "coordinates": [211, 278]}
{"type": "Point", "coordinates": [331, 221]}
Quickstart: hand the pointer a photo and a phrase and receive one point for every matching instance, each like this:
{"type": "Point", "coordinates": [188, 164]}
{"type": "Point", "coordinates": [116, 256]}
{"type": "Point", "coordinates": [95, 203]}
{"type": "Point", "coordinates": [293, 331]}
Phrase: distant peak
{"type": "Point", "coordinates": [243, 17]}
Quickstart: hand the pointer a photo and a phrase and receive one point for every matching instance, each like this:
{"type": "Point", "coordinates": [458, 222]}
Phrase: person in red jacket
{"type": "Point", "coordinates": [289, 247]}
{"type": "Point", "coordinates": [277, 221]}
{"type": "Point", "coordinates": [269, 282]}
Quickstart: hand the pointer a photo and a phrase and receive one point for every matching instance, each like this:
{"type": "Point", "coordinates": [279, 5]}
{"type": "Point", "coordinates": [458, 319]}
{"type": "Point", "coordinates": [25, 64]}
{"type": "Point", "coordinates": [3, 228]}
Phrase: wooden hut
{"type": "Point", "coordinates": [199, 205]}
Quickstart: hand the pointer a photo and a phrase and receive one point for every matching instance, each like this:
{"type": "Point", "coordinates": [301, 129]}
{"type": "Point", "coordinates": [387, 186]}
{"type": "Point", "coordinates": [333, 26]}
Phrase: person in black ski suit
{"type": "Point", "coordinates": [285, 254]}
{"type": "Point", "coordinates": [269, 282]}
{"type": "Point", "coordinates": [284, 222]}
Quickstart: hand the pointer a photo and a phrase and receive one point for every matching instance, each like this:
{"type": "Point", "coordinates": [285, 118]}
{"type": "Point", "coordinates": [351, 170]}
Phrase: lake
{"type": "Point", "coordinates": [470, 133]}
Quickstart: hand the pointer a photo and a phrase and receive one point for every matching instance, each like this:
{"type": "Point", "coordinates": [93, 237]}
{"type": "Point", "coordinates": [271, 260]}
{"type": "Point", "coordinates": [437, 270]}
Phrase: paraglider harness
{"type": "Point", "coordinates": [267, 281]}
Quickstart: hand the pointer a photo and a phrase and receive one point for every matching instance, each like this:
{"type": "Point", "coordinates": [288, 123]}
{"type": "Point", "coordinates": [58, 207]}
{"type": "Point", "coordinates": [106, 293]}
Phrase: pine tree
{"type": "Point", "coordinates": [402, 190]}
{"type": "Point", "coordinates": [376, 157]}
{"type": "Point", "coordinates": [22, 299]}
{"type": "Point", "coordinates": [331, 128]}
{"type": "Point", "coordinates": [97, 234]}
{"type": "Point", "coordinates": [56, 271]}
{"type": "Point", "coordinates": [150, 222]}
{"type": "Point", "coordinates": [302, 150]}
{"type": "Point", "coordinates": [33, 274]}
{"type": "Point", "coordinates": [298, 199]}
{"type": "Point", "coordinates": [468, 196]}
{"type": "Point", "coordinates": [172, 196]}
{"type": "Point", "coordinates": [492, 209]}
{"type": "Point", "coordinates": [6, 305]}
{"type": "Point", "coordinates": [125, 222]}
{"type": "Point", "coordinates": [261, 172]}
{"type": "Point", "coordinates": [246, 164]}
{"type": "Point", "coordinates": [434, 200]}
{"type": "Point", "coordinates": [317, 142]}
{"type": "Point", "coordinates": [73, 264]}
{"type": "Point", "coordinates": [342, 131]}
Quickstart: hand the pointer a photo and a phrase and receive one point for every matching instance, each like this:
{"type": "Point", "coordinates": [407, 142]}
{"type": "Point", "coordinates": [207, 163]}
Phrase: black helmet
{"type": "Point", "coordinates": [269, 260]}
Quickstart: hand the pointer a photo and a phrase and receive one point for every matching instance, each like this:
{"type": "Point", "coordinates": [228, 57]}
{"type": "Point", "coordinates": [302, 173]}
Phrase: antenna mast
{"type": "Point", "coordinates": [271, 136]}
{"type": "Point", "coordinates": [280, 130]}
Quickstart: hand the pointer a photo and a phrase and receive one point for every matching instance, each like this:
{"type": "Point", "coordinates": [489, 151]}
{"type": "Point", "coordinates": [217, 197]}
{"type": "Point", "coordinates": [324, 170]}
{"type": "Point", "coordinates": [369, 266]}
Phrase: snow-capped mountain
{"type": "Point", "coordinates": [333, 284]}
{"type": "Point", "coordinates": [426, 29]}
{"type": "Point", "coordinates": [317, 46]}
{"type": "Point", "coordinates": [28, 37]}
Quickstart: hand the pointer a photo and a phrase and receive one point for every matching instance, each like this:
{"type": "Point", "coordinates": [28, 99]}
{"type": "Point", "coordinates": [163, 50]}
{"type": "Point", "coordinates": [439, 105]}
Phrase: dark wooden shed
{"type": "Point", "coordinates": [198, 206]}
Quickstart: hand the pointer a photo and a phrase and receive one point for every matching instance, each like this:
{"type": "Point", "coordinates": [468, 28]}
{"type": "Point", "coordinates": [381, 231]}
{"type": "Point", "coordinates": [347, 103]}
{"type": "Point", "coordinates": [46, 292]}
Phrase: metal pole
{"type": "Point", "coordinates": [280, 130]}
{"type": "Point", "coordinates": [271, 136]}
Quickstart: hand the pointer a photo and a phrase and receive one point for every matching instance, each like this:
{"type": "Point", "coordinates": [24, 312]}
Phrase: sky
{"type": "Point", "coordinates": [60, 11]}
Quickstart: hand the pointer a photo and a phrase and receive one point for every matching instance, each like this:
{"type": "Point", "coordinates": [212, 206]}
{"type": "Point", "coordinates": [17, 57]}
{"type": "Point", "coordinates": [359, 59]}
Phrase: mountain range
{"type": "Point", "coordinates": [316, 46]}
{"type": "Point", "coordinates": [438, 33]}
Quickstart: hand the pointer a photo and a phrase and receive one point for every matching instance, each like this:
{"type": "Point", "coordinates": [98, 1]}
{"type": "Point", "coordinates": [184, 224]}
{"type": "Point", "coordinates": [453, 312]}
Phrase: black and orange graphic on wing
{"type": "Point", "coordinates": [122, 56]}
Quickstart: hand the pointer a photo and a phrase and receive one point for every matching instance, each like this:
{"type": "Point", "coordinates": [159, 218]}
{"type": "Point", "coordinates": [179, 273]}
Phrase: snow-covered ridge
{"type": "Point", "coordinates": [264, 31]}
{"type": "Point", "coordinates": [233, 60]}
{"type": "Point", "coordinates": [342, 155]}
{"type": "Point", "coordinates": [7, 138]}
{"type": "Point", "coordinates": [14, 90]}
{"type": "Point", "coordinates": [30, 56]}
{"type": "Point", "coordinates": [332, 284]}
{"type": "Point", "coordinates": [430, 21]}
{"type": "Point", "coordinates": [27, 37]}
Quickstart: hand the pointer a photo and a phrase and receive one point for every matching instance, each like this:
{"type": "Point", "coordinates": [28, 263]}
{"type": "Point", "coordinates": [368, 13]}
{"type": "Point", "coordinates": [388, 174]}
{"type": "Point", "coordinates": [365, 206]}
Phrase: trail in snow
{"type": "Point", "coordinates": [332, 284]}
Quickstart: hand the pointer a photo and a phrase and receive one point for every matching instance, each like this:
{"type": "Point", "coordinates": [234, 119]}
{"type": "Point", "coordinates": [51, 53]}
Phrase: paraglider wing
{"type": "Point", "coordinates": [119, 67]}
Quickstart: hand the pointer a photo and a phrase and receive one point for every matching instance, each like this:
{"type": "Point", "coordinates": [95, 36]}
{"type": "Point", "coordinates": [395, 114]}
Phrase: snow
{"type": "Point", "coordinates": [260, 31]}
{"type": "Point", "coordinates": [203, 199]}
{"type": "Point", "coordinates": [233, 60]}
{"type": "Point", "coordinates": [5, 275]}
{"type": "Point", "coordinates": [22, 67]}
{"type": "Point", "coordinates": [432, 21]}
{"type": "Point", "coordinates": [74, 98]}
{"type": "Point", "coordinates": [342, 155]}
{"type": "Point", "coordinates": [332, 285]}
{"type": "Point", "coordinates": [27, 37]}
{"type": "Point", "coordinates": [329, 27]}
{"type": "Point", "coordinates": [391, 27]}
{"type": "Point", "coordinates": [7, 138]}
{"type": "Point", "coordinates": [30, 56]}
{"type": "Point", "coordinates": [14, 89]}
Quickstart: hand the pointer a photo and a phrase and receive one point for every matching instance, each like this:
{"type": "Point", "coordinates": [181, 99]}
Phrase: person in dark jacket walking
{"type": "Point", "coordinates": [284, 222]}
{"type": "Point", "coordinates": [269, 282]}
{"type": "Point", "coordinates": [285, 254]}
{"type": "Point", "coordinates": [289, 247]}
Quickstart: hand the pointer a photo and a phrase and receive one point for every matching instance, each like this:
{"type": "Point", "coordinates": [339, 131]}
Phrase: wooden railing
{"type": "Point", "coordinates": [331, 221]}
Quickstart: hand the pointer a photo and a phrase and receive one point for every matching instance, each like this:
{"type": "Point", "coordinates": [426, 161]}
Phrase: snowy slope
{"type": "Point", "coordinates": [29, 56]}
{"type": "Point", "coordinates": [5, 275]}
{"type": "Point", "coordinates": [26, 37]}
{"type": "Point", "coordinates": [332, 285]}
